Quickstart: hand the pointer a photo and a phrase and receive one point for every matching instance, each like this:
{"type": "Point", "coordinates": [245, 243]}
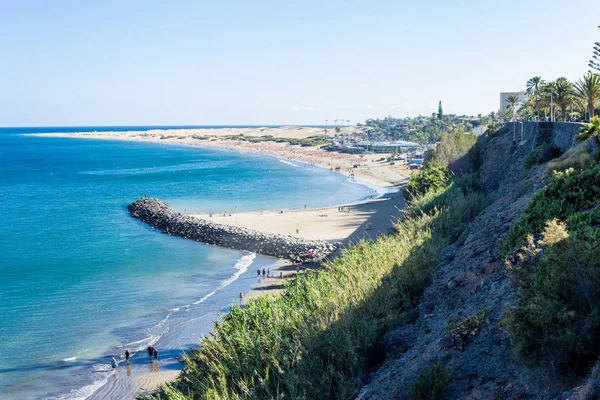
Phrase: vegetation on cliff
{"type": "Point", "coordinates": [457, 153]}
{"type": "Point", "coordinates": [567, 194]}
{"type": "Point", "coordinates": [557, 267]}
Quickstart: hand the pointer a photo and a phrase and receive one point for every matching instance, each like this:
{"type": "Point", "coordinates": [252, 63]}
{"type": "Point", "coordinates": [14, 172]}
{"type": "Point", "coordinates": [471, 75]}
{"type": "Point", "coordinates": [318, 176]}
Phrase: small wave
{"type": "Point", "coordinates": [288, 163]}
{"type": "Point", "coordinates": [159, 169]}
{"type": "Point", "coordinates": [159, 329]}
{"type": "Point", "coordinates": [86, 391]}
{"type": "Point", "coordinates": [69, 359]}
{"type": "Point", "coordinates": [241, 266]}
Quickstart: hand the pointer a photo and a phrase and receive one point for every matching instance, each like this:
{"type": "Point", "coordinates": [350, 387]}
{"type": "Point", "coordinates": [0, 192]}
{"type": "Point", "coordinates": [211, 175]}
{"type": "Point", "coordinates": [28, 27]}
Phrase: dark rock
{"type": "Point", "coordinates": [158, 215]}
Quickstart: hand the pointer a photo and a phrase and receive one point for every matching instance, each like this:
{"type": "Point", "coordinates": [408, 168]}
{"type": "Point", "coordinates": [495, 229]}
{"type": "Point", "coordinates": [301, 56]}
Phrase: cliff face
{"type": "Point", "coordinates": [158, 215]}
{"type": "Point", "coordinates": [459, 313]}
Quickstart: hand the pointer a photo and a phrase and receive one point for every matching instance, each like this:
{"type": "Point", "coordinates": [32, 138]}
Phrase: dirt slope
{"type": "Point", "coordinates": [469, 281]}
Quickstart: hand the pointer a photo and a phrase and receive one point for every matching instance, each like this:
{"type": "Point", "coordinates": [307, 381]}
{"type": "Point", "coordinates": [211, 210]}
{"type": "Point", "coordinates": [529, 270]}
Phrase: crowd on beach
{"type": "Point", "coordinates": [305, 154]}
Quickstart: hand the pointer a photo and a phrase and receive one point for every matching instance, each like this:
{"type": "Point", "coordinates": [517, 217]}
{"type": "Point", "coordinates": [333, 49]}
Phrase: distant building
{"type": "Point", "coordinates": [504, 95]}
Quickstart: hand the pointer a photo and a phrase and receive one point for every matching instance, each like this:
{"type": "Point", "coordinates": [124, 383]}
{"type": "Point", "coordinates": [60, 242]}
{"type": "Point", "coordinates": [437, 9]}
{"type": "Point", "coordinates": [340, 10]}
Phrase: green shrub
{"type": "Point", "coordinates": [468, 182]}
{"type": "Point", "coordinates": [457, 150]}
{"type": "Point", "coordinates": [319, 337]}
{"type": "Point", "coordinates": [558, 319]}
{"type": "Point", "coordinates": [427, 179]}
{"type": "Point", "coordinates": [431, 383]}
{"type": "Point", "coordinates": [576, 157]}
{"type": "Point", "coordinates": [567, 193]}
{"type": "Point", "coordinates": [541, 154]}
{"type": "Point", "coordinates": [467, 329]}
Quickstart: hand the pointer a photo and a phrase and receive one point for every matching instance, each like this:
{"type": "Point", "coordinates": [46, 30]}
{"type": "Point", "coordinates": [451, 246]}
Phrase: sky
{"type": "Point", "coordinates": [156, 62]}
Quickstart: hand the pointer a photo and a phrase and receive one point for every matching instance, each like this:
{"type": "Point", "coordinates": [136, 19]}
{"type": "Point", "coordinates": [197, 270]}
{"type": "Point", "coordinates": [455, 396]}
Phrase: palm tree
{"type": "Point", "coordinates": [588, 90]}
{"type": "Point", "coordinates": [512, 101]}
{"type": "Point", "coordinates": [534, 86]}
{"type": "Point", "coordinates": [546, 99]}
{"type": "Point", "coordinates": [591, 131]}
{"type": "Point", "coordinates": [563, 93]}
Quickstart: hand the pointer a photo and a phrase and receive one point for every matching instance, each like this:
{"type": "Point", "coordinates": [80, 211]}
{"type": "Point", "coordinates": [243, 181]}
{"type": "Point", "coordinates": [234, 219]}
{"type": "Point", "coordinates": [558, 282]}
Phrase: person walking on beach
{"type": "Point", "coordinates": [127, 356]}
{"type": "Point", "coordinates": [258, 272]}
{"type": "Point", "coordinates": [150, 352]}
{"type": "Point", "coordinates": [269, 273]}
{"type": "Point", "coordinates": [241, 297]}
{"type": "Point", "coordinates": [264, 272]}
{"type": "Point", "coordinates": [155, 355]}
{"type": "Point", "coordinates": [113, 363]}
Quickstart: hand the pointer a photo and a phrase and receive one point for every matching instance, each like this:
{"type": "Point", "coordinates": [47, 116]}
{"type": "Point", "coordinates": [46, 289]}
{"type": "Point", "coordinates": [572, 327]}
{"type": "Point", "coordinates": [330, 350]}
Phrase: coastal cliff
{"type": "Point", "coordinates": [158, 215]}
{"type": "Point", "coordinates": [459, 302]}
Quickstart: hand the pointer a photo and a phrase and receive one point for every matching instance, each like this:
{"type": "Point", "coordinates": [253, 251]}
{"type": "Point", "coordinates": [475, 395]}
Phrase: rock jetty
{"type": "Point", "coordinates": [157, 214]}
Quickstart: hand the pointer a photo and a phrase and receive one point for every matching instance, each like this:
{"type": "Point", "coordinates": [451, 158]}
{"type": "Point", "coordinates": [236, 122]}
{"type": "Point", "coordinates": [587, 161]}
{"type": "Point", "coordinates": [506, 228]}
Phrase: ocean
{"type": "Point", "coordinates": [80, 280]}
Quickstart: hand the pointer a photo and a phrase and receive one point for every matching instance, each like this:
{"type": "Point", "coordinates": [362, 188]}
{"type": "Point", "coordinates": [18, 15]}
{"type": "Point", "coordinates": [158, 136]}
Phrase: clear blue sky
{"type": "Point", "coordinates": [148, 62]}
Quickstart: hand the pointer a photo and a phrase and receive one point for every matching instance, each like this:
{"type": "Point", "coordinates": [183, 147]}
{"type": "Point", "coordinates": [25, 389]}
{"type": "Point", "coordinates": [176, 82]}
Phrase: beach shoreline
{"type": "Point", "coordinates": [343, 223]}
{"type": "Point", "coordinates": [370, 169]}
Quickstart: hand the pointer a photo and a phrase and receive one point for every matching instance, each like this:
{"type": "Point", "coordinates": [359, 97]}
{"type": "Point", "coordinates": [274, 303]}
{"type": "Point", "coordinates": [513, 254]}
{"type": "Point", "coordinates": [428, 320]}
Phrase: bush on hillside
{"type": "Point", "coordinates": [468, 183]}
{"type": "Point", "coordinates": [431, 382]}
{"type": "Point", "coordinates": [567, 193]}
{"type": "Point", "coordinates": [457, 150]}
{"type": "Point", "coordinates": [577, 158]}
{"type": "Point", "coordinates": [558, 319]}
{"type": "Point", "coordinates": [542, 154]}
{"type": "Point", "coordinates": [318, 339]}
{"type": "Point", "coordinates": [427, 179]}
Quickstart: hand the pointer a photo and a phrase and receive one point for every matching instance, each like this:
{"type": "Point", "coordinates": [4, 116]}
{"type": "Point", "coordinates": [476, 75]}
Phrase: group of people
{"type": "Point", "coordinates": [266, 272]}
{"type": "Point", "coordinates": [152, 353]}
{"type": "Point", "coordinates": [114, 363]}
{"type": "Point", "coordinates": [543, 118]}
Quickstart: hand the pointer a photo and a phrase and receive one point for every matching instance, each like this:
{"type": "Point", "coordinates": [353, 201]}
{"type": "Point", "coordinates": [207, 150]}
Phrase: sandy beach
{"type": "Point", "coordinates": [345, 225]}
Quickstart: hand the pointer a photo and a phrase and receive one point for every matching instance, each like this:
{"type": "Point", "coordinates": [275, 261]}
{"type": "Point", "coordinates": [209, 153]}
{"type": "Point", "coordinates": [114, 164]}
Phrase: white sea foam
{"type": "Point", "coordinates": [288, 163]}
{"type": "Point", "coordinates": [155, 333]}
{"type": "Point", "coordinates": [241, 266]}
{"type": "Point", "coordinates": [84, 392]}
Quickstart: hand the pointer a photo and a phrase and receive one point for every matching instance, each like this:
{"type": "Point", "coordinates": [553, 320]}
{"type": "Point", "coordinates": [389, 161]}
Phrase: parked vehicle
{"type": "Point", "coordinates": [416, 164]}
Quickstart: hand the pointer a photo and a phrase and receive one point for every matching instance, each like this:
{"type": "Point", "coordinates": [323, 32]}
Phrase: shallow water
{"type": "Point", "coordinates": [80, 279]}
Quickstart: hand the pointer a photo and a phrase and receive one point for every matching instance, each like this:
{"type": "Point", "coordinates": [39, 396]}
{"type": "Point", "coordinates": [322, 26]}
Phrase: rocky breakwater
{"type": "Point", "coordinates": [157, 214]}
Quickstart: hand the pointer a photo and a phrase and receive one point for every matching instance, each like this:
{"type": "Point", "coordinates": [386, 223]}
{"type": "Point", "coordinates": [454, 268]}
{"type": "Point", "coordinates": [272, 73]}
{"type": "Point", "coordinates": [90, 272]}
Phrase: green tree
{"type": "Point", "coordinates": [563, 95]}
{"type": "Point", "coordinates": [591, 131]}
{"type": "Point", "coordinates": [526, 112]}
{"type": "Point", "coordinates": [440, 111]}
{"type": "Point", "coordinates": [534, 87]}
{"type": "Point", "coordinates": [588, 90]}
{"type": "Point", "coordinates": [512, 101]}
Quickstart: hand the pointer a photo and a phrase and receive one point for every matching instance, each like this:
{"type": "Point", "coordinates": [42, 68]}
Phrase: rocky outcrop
{"type": "Point", "coordinates": [157, 214]}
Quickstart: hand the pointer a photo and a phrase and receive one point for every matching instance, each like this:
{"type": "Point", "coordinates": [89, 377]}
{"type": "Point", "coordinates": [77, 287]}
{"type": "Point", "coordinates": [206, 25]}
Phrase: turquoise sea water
{"type": "Point", "coordinates": [80, 280]}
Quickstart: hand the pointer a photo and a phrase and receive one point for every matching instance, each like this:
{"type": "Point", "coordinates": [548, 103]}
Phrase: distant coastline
{"type": "Point", "coordinates": [363, 167]}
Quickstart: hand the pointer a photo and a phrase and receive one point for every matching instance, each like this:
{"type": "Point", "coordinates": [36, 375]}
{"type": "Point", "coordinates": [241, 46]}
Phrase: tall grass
{"type": "Point", "coordinates": [321, 336]}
